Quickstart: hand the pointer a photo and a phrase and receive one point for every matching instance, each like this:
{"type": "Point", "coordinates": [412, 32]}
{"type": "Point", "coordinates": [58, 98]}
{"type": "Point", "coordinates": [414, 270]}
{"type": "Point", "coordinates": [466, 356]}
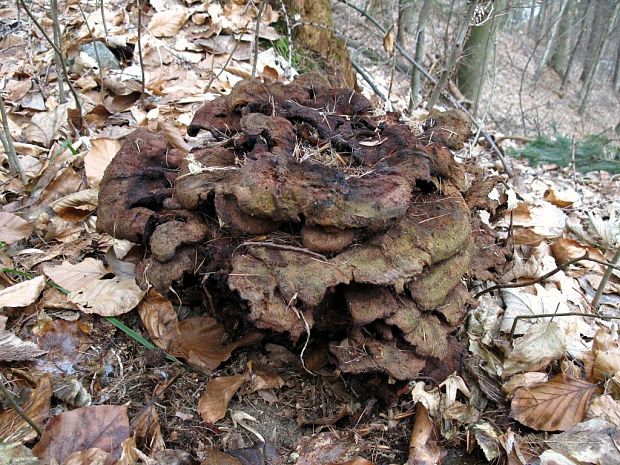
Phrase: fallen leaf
{"type": "Point", "coordinates": [16, 454]}
{"type": "Point", "coordinates": [44, 126]}
{"type": "Point", "coordinates": [550, 457]}
{"type": "Point", "coordinates": [22, 294]}
{"type": "Point", "coordinates": [108, 297]}
{"type": "Point", "coordinates": [353, 461]}
{"type": "Point", "coordinates": [158, 317]}
{"type": "Point", "coordinates": [146, 428]}
{"type": "Point", "coordinates": [13, 349]}
{"type": "Point", "coordinates": [102, 426]}
{"type": "Point", "coordinates": [200, 340]}
{"type": "Point", "coordinates": [487, 437]}
{"type": "Point", "coordinates": [13, 428]}
{"type": "Point", "coordinates": [65, 183]}
{"type": "Point", "coordinates": [541, 343]}
{"type": "Point", "coordinates": [78, 276]}
{"type": "Point", "coordinates": [92, 456]}
{"type": "Point", "coordinates": [562, 199]}
{"type": "Point", "coordinates": [605, 407]}
{"type": "Point", "coordinates": [215, 457]}
{"type": "Point", "coordinates": [424, 446]}
{"type": "Point", "coordinates": [213, 404]}
{"type": "Point", "coordinates": [594, 441]}
{"type": "Point", "coordinates": [524, 380]}
{"type": "Point", "coordinates": [168, 23]}
{"type": "Point", "coordinates": [99, 157]}
{"type": "Point", "coordinates": [13, 228]}
{"type": "Point", "coordinates": [552, 406]}
{"type": "Point", "coordinates": [76, 206]}
{"type": "Point", "coordinates": [173, 136]}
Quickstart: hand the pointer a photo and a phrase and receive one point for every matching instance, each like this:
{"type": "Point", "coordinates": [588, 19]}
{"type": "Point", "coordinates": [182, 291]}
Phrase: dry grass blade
{"type": "Point", "coordinates": [552, 406]}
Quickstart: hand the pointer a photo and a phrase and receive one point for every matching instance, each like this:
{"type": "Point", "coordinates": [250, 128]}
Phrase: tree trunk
{"type": "Point", "coordinates": [571, 60]}
{"type": "Point", "coordinates": [596, 32]}
{"type": "Point", "coordinates": [553, 32]}
{"type": "Point", "coordinates": [559, 58]}
{"type": "Point", "coordinates": [406, 20]}
{"type": "Point", "coordinates": [530, 21]}
{"type": "Point", "coordinates": [477, 52]}
{"type": "Point", "coordinates": [616, 78]}
{"type": "Point", "coordinates": [322, 41]}
{"type": "Point", "coordinates": [587, 86]}
{"type": "Point", "coordinates": [414, 95]}
{"type": "Point", "coordinates": [457, 50]}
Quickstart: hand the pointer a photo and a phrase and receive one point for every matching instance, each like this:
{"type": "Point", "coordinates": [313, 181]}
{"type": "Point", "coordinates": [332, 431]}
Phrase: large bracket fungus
{"type": "Point", "coordinates": [312, 213]}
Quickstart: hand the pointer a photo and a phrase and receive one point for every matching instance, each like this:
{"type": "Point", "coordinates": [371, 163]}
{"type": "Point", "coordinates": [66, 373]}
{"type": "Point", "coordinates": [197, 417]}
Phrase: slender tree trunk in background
{"type": "Point", "coordinates": [406, 20]}
{"type": "Point", "coordinates": [414, 95]}
{"type": "Point", "coordinates": [553, 32]}
{"type": "Point", "coordinates": [476, 54]}
{"type": "Point", "coordinates": [571, 59]}
{"type": "Point", "coordinates": [587, 86]}
{"type": "Point", "coordinates": [446, 35]}
{"type": "Point", "coordinates": [559, 58]}
{"type": "Point", "coordinates": [594, 38]}
{"type": "Point", "coordinates": [530, 21]}
{"type": "Point", "coordinates": [616, 78]}
{"type": "Point", "coordinates": [457, 50]}
{"type": "Point", "coordinates": [541, 20]}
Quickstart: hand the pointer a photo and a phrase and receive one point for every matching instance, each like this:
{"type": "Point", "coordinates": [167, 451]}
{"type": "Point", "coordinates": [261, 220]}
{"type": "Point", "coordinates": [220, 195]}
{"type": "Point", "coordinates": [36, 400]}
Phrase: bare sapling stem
{"type": "Point", "coordinates": [7, 143]}
{"type": "Point", "coordinates": [601, 287]}
{"type": "Point", "coordinates": [57, 40]}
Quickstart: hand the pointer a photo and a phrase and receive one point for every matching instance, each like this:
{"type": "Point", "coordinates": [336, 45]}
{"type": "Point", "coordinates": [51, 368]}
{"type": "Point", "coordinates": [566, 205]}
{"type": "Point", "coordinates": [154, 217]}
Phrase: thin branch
{"type": "Point", "coordinates": [585, 257]}
{"type": "Point", "coordinates": [369, 80]}
{"type": "Point", "coordinates": [20, 411]}
{"type": "Point", "coordinates": [57, 40]}
{"type": "Point", "coordinates": [78, 105]}
{"type": "Point", "coordinates": [142, 78]}
{"type": "Point", "coordinates": [261, 8]}
{"type": "Point", "coordinates": [7, 143]}
{"type": "Point", "coordinates": [553, 315]}
{"type": "Point", "coordinates": [94, 42]}
{"type": "Point", "coordinates": [605, 280]}
{"type": "Point", "coordinates": [105, 26]}
{"type": "Point", "coordinates": [285, 247]}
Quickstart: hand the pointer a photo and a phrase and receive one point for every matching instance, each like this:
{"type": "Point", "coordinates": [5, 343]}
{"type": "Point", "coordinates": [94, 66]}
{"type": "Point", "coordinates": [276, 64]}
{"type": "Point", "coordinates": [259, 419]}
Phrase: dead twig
{"type": "Point", "coordinates": [553, 315]}
{"type": "Point", "coordinates": [142, 78]}
{"type": "Point", "coordinates": [601, 287]}
{"type": "Point", "coordinates": [7, 143]}
{"type": "Point", "coordinates": [286, 247]}
{"type": "Point", "coordinates": [63, 64]}
{"type": "Point", "coordinates": [369, 80]}
{"type": "Point", "coordinates": [20, 411]}
{"type": "Point", "coordinates": [261, 8]}
{"type": "Point", "coordinates": [585, 257]}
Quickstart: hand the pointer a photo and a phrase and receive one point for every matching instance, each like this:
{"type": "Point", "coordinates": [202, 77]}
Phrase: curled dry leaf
{"type": "Point", "coordinates": [167, 23]}
{"type": "Point", "coordinates": [173, 136]}
{"type": "Point", "coordinates": [424, 446]}
{"type": "Point", "coordinates": [158, 317]}
{"type": "Point", "coordinates": [562, 199]}
{"type": "Point", "coordinates": [108, 297]}
{"type": "Point", "coordinates": [214, 402]}
{"type": "Point", "coordinates": [76, 206]}
{"type": "Point", "coordinates": [594, 441]}
{"type": "Point", "coordinates": [552, 406]}
{"type": "Point", "coordinates": [201, 341]}
{"type": "Point", "coordinates": [99, 157]}
{"type": "Point", "coordinates": [44, 126]}
{"type": "Point", "coordinates": [13, 428]}
{"type": "Point", "coordinates": [541, 343]}
{"type": "Point", "coordinates": [102, 426]}
{"type": "Point", "coordinates": [605, 407]}
{"type": "Point", "coordinates": [13, 228]}
{"type": "Point", "coordinates": [75, 277]}
{"type": "Point", "coordinates": [22, 294]}
{"type": "Point", "coordinates": [13, 349]}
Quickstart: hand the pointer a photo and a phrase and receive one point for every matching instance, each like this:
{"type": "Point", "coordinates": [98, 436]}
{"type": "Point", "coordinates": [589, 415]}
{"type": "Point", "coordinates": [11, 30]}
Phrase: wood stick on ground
{"type": "Point", "coordinates": [7, 143]}
{"type": "Point", "coordinates": [369, 80]}
{"type": "Point", "coordinates": [259, 15]}
{"type": "Point", "coordinates": [74, 93]}
{"type": "Point", "coordinates": [20, 411]}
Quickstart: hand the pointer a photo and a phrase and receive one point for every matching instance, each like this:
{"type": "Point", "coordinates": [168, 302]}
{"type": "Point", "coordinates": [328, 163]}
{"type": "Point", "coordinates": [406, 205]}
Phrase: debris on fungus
{"type": "Point", "coordinates": [311, 213]}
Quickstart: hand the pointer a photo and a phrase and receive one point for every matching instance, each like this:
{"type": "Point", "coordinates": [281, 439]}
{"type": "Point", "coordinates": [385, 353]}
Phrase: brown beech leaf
{"type": "Point", "coordinates": [354, 461]}
{"type": "Point", "coordinates": [167, 23]}
{"type": "Point", "coordinates": [13, 228]}
{"type": "Point", "coordinates": [76, 206]}
{"type": "Point", "coordinates": [13, 348]}
{"type": "Point", "coordinates": [552, 406]}
{"type": "Point", "coordinates": [99, 157]}
{"type": "Point", "coordinates": [13, 427]}
{"type": "Point", "coordinates": [102, 426]}
{"type": "Point", "coordinates": [108, 297]}
{"type": "Point", "coordinates": [158, 317]}
{"type": "Point", "coordinates": [424, 446]}
{"type": "Point", "coordinates": [92, 456]}
{"type": "Point", "coordinates": [22, 294]}
{"type": "Point", "coordinates": [215, 457]}
{"type": "Point", "coordinates": [146, 428]}
{"type": "Point", "coordinates": [75, 277]}
{"type": "Point", "coordinates": [214, 402]}
{"type": "Point", "coordinates": [200, 340]}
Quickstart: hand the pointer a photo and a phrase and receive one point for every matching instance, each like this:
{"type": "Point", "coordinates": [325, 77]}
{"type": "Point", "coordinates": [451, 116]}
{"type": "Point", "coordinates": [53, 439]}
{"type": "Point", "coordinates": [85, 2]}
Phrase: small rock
{"type": "Point", "coordinates": [107, 58]}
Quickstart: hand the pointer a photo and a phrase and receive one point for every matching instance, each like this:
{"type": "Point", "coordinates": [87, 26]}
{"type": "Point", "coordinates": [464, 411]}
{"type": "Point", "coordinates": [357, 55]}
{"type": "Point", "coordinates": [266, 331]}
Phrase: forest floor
{"type": "Point", "coordinates": [87, 378]}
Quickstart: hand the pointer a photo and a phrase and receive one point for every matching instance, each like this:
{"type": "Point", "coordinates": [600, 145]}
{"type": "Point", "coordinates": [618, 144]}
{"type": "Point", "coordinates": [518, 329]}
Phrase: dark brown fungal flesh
{"type": "Point", "coordinates": [310, 212]}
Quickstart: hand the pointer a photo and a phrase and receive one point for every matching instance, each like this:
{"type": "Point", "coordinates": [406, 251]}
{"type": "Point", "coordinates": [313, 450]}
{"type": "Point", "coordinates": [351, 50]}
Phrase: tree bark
{"type": "Point", "coordinates": [530, 21]}
{"type": "Point", "coordinates": [414, 95]}
{"type": "Point", "coordinates": [553, 32]}
{"type": "Point", "coordinates": [616, 78]}
{"type": "Point", "coordinates": [596, 32]}
{"type": "Point", "coordinates": [587, 86]}
{"type": "Point", "coordinates": [457, 50]}
{"type": "Point", "coordinates": [559, 58]}
{"type": "Point", "coordinates": [322, 41]}
{"type": "Point", "coordinates": [406, 20]}
{"type": "Point", "coordinates": [571, 59]}
{"type": "Point", "coordinates": [476, 54]}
